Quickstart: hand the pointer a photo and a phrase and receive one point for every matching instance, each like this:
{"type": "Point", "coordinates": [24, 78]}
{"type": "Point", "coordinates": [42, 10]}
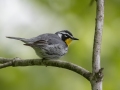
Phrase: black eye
{"type": "Point", "coordinates": [65, 36]}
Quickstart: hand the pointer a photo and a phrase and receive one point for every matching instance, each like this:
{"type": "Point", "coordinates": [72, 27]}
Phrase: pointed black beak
{"type": "Point", "coordinates": [74, 38]}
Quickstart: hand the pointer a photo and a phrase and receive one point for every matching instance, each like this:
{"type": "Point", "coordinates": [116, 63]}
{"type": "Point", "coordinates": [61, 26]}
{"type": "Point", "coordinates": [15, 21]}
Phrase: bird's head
{"type": "Point", "coordinates": [66, 36]}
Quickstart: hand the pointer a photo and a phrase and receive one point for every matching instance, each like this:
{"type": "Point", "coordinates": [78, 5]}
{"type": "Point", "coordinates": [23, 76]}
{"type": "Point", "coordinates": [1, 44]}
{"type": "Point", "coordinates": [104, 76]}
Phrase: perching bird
{"type": "Point", "coordinates": [49, 46]}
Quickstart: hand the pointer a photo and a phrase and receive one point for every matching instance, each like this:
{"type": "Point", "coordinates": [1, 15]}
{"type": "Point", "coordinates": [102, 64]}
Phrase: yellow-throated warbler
{"type": "Point", "coordinates": [49, 46]}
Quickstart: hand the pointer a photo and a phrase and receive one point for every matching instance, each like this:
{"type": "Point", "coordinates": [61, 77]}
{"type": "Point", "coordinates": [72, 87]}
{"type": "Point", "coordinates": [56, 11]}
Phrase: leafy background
{"type": "Point", "coordinates": [29, 18]}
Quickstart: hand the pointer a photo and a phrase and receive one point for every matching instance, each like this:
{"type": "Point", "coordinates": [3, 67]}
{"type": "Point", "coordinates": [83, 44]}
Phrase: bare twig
{"type": "Point", "coordinates": [57, 63]}
{"type": "Point", "coordinates": [96, 80]}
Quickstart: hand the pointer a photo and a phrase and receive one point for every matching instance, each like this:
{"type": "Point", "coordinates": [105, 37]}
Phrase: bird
{"type": "Point", "coordinates": [49, 46]}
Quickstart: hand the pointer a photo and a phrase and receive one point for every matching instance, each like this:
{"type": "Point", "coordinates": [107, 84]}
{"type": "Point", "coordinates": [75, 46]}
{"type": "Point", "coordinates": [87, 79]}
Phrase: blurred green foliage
{"type": "Point", "coordinates": [79, 18]}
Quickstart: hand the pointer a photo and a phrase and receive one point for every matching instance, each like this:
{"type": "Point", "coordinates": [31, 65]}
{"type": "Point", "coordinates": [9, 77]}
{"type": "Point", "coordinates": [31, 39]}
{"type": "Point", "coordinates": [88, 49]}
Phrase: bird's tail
{"type": "Point", "coordinates": [17, 38]}
{"type": "Point", "coordinates": [27, 41]}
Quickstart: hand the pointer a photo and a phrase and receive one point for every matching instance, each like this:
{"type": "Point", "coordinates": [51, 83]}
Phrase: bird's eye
{"type": "Point", "coordinates": [65, 35]}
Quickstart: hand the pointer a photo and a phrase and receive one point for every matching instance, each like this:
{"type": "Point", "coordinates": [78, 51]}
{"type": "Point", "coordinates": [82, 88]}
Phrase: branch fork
{"type": "Point", "coordinates": [98, 76]}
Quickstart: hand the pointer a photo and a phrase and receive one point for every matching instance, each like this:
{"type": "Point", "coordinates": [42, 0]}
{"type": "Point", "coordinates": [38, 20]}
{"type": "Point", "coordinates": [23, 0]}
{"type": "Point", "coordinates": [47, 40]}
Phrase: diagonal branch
{"type": "Point", "coordinates": [56, 63]}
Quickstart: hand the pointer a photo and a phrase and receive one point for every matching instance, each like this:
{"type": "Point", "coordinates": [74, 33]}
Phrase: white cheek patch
{"type": "Point", "coordinates": [60, 35]}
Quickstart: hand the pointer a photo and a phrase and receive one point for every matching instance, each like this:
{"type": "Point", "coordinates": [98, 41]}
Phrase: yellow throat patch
{"type": "Point", "coordinates": [68, 41]}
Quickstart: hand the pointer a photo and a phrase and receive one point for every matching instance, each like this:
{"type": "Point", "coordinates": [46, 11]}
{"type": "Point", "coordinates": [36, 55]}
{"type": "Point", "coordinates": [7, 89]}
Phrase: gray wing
{"type": "Point", "coordinates": [46, 39]}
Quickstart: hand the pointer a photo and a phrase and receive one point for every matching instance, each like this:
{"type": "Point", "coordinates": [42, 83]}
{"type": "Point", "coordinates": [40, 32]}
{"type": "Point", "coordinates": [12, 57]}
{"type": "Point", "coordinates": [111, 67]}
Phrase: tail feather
{"type": "Point", "coordinates": [17, 38]}
{"type": "Point", "coordinates": [21, 39]}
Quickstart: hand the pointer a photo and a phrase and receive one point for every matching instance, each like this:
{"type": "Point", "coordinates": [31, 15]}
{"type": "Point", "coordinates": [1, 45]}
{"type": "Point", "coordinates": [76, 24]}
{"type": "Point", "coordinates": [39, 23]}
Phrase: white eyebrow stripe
{"type": "Point", "coordinates": [66, 34]}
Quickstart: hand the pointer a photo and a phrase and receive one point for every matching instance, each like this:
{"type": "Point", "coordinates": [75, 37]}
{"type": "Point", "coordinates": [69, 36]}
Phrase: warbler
{"type": "Point", "coordinates": [49, 46]}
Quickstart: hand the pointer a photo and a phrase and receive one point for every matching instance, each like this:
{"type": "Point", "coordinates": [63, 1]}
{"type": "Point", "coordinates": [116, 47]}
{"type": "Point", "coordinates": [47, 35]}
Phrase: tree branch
{"type": "Point", "coordinates": [96, 80]}
{"type": "Point", "coordinates": [98, 36]}
{"type": "Point", "coordinates": [56, 63]}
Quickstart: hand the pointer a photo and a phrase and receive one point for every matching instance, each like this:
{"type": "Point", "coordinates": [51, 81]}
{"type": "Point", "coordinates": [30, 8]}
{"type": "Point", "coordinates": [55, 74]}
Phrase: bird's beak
{"type": "Point", "coordinates": [74, 38]}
